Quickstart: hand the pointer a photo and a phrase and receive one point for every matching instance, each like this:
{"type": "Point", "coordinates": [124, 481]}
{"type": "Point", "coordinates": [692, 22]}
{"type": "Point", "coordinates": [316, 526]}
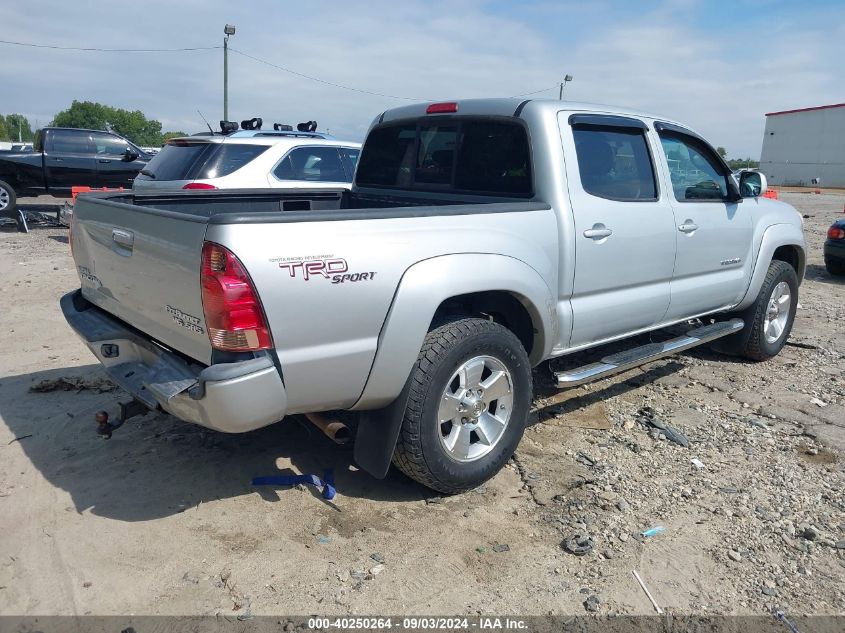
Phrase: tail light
{"type": "Point", "coordinates": [836, 233]}
{"type": "Point", "coordinates": [198, 185]}
{"type": "Point", "coordinates": [234, 317]}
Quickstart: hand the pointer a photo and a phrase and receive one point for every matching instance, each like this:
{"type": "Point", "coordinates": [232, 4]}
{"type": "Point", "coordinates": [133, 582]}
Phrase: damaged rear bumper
{"type": "Point", "coordinates": [229, 397]}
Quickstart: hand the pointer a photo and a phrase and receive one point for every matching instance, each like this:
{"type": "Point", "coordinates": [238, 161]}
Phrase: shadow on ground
{"type": "Point", "coordinates": [156, 465]}
{"type": "Point", "coordinates": [818, 273]}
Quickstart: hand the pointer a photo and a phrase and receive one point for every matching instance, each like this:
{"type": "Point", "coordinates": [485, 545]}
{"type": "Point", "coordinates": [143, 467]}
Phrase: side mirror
{"type": "Point", "coordinates": [130, 155]}
{"type": "Point", "coordinates": [752, 184]}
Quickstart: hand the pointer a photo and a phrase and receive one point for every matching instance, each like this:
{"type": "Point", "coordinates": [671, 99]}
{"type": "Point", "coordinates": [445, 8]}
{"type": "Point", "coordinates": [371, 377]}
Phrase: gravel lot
{"type": "Point", "coordinates": [162, 519]}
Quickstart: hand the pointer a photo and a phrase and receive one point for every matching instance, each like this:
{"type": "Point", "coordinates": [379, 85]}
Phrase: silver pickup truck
{"type": "Point", "coordinates": [480, 239]}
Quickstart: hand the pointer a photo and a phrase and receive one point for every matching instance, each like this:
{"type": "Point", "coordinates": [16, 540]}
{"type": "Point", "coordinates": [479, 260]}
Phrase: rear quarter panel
{"type": "Point", "coordinates": [326, 328]}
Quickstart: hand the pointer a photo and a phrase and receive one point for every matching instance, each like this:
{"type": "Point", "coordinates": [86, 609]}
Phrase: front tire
{"type": "Point", "coordinates": [768, 321]}
{"type": "Point", "coordinates": [8, 199]}
{"type": "Point", "coordinates": [470, 392]}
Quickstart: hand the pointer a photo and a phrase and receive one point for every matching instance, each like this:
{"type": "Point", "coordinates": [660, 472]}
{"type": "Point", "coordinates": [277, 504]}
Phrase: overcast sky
{"type": "Point", "coordinates": [717, 66]}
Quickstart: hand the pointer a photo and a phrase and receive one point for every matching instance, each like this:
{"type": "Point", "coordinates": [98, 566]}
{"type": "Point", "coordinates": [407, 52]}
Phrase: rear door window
{"type": "Point", "coordinates": [315, 164]}
{"type": "Point", "coordinates": [615, 163]}
{"type": "Point", "coordinates": [69, 142]}
{"type": "Point", "coordinates": [485, 156]}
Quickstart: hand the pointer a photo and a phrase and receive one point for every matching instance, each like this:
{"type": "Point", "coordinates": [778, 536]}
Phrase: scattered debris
{"type": "Point", "coordinates": [87, 584]}
{"type": "Point", "coordinates": [191, 577]}
{"type": "Point", "coordinates": [648, 416]}
{"type": "Point", "coordinates": [377, 557]}
{"type": "Point", "coordinates": [734, 555]}
{"type": "Point", "coordinates": [325, 485]}
{"type": "Point", "coordinates": [578, 544]}
{"type": "Point", "coordinates": [323, 540]}
{"type": "Point", "coordinates": [585, 459]}
{"type": "Point", "coordinates": [697, 463]}
{"type": "Point", "coordinates": [501, 547]}
{"type": "Point", "coordinates": [801, 345]}
{"type": "Point", "coordinates": [19, 438]}
{"type": "Point", "coordinates": [780, 615]}
{"type": "Point", "coordinates": [592, 603]}
{"type": "Point", "coordinates": [647, 592]}
{"type": "Point", "coordinates": [73, 383]}
{"type": "Point", "coordinates": [375, 571]}
{"type": "Point", "coordinates": [623, 506]}
{"type": "Point", "coordinates": [653, 531]}
{"type": "Point", "coordinates": [817, 402]}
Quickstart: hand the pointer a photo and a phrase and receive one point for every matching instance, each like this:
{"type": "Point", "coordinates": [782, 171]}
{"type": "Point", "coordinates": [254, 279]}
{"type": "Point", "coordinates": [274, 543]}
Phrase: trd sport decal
{"type": "Point", "coordinates": [326, 267]}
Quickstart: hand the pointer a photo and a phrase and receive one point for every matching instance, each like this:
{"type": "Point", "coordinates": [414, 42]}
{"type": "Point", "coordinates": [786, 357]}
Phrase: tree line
{"type": "Point", "coordinates": [131, 124]}
{"type": "Point", "coordinates": [737, 163]}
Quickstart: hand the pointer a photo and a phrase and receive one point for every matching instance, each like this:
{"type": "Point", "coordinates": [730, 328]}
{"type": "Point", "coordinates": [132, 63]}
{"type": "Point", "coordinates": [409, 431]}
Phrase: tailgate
{"type": "Point", "coordinates": [143, 266]}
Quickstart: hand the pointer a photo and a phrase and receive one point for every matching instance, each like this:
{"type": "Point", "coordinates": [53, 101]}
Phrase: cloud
{"type": "Point", "coordinates": [718, 68]}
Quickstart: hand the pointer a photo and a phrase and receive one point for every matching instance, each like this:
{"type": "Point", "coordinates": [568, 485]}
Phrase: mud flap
{"type": "Point", "coordinates": [377, 433]}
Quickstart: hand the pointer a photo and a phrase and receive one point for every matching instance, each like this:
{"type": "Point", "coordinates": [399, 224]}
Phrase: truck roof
{"type": "Point", "coordinates": [508, 107]}
{"type": "Point", "coordinates": [77, 129]}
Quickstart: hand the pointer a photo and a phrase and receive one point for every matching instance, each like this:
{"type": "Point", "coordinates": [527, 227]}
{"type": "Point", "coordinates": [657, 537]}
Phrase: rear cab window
{"type": "Point", "coordinates": [481, 155]}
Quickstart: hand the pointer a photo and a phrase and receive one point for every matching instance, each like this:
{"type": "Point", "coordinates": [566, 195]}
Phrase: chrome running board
{"type": "Point", "coordinates": [623, 361]}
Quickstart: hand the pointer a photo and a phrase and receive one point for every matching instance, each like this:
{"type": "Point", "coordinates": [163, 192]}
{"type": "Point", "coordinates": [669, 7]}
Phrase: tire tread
{"type": "Point", "coordinates": [408, 455]}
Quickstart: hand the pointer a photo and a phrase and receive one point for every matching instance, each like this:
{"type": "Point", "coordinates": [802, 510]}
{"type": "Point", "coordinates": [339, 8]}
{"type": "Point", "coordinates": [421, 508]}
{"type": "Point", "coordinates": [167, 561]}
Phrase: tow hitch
{"type": "Point", "coordinates": [127, 410]}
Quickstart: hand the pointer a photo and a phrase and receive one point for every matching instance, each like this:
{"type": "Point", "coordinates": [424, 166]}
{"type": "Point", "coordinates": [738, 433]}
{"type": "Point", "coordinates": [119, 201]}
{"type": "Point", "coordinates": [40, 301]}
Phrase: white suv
{"type": "Point", "coordinates": [250, 159]}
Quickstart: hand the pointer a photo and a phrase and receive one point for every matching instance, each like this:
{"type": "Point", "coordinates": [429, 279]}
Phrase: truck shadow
{"type": "Point", "coordinates": [157, 466]}
{"type": "Point", "coordinates": [818, 273]}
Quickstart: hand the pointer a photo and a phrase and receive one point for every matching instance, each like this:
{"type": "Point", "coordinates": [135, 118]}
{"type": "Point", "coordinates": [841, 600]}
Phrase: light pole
{"type": "Point", "coordinates": [229, 29]}
{"type": "Point", "coordinates": [566, 79]}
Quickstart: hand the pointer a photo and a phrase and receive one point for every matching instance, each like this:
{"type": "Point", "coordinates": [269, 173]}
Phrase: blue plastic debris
{"type": "Point", "coordinates": [652, 531]}
{"type": "Point", "coordinates": [325, 485]}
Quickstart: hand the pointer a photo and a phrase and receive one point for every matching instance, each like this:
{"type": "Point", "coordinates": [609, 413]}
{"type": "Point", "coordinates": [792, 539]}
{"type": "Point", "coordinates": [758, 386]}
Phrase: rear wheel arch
{"type": "Point", "coordinates": [498, 287]}
{"type": "Point", "coordinates": [501, 306]}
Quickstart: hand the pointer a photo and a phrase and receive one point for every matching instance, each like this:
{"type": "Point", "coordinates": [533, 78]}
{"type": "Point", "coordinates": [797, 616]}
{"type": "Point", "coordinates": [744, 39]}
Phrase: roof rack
{"type": "Point", "coordinates": [254, 133]}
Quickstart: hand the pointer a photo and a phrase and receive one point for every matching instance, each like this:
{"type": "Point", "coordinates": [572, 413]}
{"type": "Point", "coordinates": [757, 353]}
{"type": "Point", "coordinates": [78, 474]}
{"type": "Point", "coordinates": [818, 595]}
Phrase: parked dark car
{"type": "Point", "coordinates": [64, 157]}
{"type": "Point", "coordinates": [834, 248]}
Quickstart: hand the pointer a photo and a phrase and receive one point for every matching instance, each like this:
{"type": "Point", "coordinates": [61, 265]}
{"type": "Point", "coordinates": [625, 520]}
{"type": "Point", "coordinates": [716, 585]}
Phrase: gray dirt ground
{"type": "Point", "coordinates": [162, 519]}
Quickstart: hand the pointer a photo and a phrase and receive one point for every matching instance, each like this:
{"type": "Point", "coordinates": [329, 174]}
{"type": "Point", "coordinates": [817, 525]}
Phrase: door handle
{"type": "Point", "coordinates": [57, 159]}
{"type": "Point", "coordinates": [598, 232]}
{"type": "Point", "coordinates": [103, 160]}
{"type": "Point", "coordinates": [124, 238]}
{"type": "Point", "coordinates": [688, 227]}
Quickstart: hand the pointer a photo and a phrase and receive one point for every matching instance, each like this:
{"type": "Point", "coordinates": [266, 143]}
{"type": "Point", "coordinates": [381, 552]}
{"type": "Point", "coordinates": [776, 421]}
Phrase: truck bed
{"type": "Point", "coordinates": [138, 255]}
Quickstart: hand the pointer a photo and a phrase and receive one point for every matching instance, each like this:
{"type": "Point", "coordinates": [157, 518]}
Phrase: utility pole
{"type": "Point", "coordinates": [566, 79]}
{"type": "Point", "coordinates": [228, 30]}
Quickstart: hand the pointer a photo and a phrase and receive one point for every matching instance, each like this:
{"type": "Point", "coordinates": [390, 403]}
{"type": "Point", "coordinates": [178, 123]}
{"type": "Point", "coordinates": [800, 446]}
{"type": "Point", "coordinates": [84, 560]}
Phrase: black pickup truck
{"type": "Point", "coordinates": [67, 157]}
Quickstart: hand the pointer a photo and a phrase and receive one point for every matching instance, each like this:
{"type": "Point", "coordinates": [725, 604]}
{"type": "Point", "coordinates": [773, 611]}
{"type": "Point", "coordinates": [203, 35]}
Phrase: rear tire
{"type": "Point", "coordinates": [470, 392]}
{"type": "Point", "coordinates": [8, 199]}
{"type": "Point", "coordinates": [768, 321]}
{"type": "Point", "coordinates": [835, 267]}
